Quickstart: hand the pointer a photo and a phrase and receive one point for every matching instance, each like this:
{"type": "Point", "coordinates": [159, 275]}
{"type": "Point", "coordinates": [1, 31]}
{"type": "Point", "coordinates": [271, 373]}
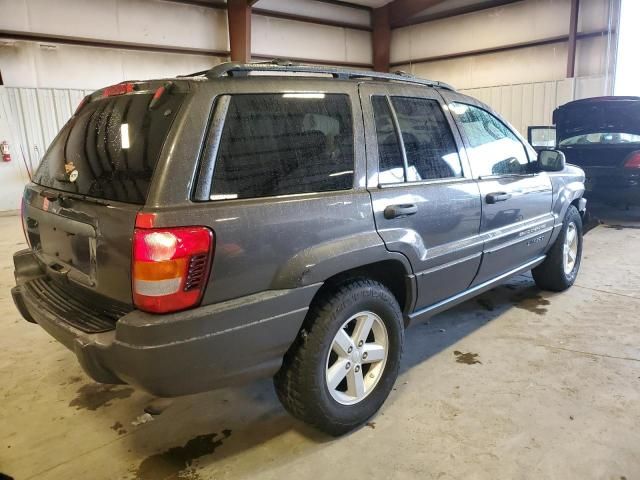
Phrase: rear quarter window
{"type": "Point", "coordinates": [280, 144]}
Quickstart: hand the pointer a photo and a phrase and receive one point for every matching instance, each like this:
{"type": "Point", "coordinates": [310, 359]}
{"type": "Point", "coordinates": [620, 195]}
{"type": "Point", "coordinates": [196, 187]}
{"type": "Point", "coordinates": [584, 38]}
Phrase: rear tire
{"type": "Point", "coordinates": [343, 364]}
{"type": "Point", "coordinates": [560, 269]}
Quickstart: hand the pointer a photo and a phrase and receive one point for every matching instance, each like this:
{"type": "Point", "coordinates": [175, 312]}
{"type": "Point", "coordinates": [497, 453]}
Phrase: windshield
{"type": "Point", "coordinates": [604, 138]}
{"type": "Point", "coordinates": [109, 150]}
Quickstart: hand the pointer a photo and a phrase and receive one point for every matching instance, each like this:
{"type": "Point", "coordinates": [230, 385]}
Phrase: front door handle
{"type": "Point", "coordinates": [496, 197]}
{"type": "Point", "coordinates": [403, 210]}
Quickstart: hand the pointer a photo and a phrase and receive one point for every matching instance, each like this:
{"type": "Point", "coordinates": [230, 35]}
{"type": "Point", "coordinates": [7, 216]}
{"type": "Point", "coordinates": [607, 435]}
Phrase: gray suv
{"type": "Point", "coordinates": [281, 220]}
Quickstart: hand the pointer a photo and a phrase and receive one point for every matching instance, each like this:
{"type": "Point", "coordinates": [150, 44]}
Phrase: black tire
{"type": "Point", "coordinates": [301, 381]}
{"type": "Point", "coordinates": [550, 274]}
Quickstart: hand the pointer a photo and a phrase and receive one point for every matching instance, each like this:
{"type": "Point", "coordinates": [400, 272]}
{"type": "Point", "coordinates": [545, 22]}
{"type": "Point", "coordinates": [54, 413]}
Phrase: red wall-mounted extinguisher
{"type": "Point", "coordinates": [6, 154]}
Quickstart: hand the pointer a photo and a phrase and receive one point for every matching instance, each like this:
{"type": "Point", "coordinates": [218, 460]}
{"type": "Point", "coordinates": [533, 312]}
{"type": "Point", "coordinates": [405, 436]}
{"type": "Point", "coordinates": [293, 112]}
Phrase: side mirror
{"type": "Point", "coordinates": [541, 138]}
{"type": "Point", "coordinates": [551, 160]}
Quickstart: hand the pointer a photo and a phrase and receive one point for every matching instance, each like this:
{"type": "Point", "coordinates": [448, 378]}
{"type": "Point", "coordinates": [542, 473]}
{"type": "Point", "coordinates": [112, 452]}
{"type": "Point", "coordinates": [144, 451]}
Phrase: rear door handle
{"type": "Point", "coordinates": [403, 210]}
{"type": "Point", "coordinates": [497, 197]}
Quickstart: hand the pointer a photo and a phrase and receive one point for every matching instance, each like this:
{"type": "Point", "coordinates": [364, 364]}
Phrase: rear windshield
{"type": "Point", "coordinates": [110, 149]}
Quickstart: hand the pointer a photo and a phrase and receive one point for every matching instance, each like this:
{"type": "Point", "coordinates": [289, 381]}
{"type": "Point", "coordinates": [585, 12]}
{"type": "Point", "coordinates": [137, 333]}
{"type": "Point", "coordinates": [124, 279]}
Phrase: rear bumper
{"type": "Point", "coordinates": [614, 185]}
{"type": "Point", "coordinates": [180, 353]}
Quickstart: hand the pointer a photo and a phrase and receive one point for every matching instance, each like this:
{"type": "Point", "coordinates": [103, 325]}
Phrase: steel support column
{"type": "Point", "coordinates": [573, 36]}
{"type": "Point", "coordinates": [239, 16]}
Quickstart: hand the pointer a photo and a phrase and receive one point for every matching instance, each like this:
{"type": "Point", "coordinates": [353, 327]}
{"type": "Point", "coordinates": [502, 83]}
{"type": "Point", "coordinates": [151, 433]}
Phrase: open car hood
{"type": "Point", "coordinates": [598, 115]}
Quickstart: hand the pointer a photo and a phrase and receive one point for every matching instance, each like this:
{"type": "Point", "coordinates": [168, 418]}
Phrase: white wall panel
{"type": "Point", "coordinates": [28, 64]}
{"type": "Point", "coordinates": [36, 116]}
{"type": "Point", "coordinates": [529, 104]}
{"type": "Point", "coordinates": [524, 65]}
{"type": "Point", "coordinates": [13, 174]}
{"type": "Point", "coordinates": [514, 23]}
{"type": "Point", "coordinates": [140, 21]}
{"type": "Point", "coordinates": [285, 38]}
{"type": "Point", "coordinates": [316, 9]}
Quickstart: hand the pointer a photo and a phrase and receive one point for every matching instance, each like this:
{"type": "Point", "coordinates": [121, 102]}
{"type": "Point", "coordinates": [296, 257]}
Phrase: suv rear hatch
{"type": "Point", "coordinates": [79, 212]}
{"type": "Point", "coordinates": [599, 132]}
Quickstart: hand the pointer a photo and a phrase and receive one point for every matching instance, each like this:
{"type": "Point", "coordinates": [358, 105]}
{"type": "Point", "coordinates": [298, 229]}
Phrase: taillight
{"type": "Point", "coordinates": [633, 160]}
{"type": "Point", "coordinates": [170, 267]}
{"type": "Point", "coordinates": [119, 89]}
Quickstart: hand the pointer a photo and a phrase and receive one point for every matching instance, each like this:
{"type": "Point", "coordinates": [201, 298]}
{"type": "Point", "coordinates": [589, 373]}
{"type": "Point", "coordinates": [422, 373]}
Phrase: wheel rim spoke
{"type": "Point", "coordinates": [355, 383]}
{"type": "Point", "coordinates": [336, 373]}
{"type": "Point", "coordinates": [570, 248]}
{"type": "Point", "coordinates": [375, 353]}
{"type": "Point", "coordinates": [341, 343]}
{"type": "Point", "coordinates": [363, 328]}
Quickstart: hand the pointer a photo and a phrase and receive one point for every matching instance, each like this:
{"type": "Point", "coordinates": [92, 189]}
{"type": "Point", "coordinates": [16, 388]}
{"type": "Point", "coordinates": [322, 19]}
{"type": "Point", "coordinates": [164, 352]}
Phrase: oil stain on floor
{"type": "Point", "coordinates": [466, 358]}
{"type": "Point", "coordinates": [623, 227]}
{"type": "Point", "coordinates": [96, 395]}
{"type": "Point", "coordinates": [118, 428]}
{"type": "Point", "coordinates": [177, 462]}
{"type": "Point", "coordinates": [531, 301]}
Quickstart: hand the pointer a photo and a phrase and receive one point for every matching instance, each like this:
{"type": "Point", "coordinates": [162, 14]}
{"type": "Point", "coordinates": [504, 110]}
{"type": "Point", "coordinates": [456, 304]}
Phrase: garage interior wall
{"type": "Point", "coordinates": [524, 84]}
{"type": "Point", "coordinates": [44, 80]}
{"type": "Point", "coordinates": [82, 45]}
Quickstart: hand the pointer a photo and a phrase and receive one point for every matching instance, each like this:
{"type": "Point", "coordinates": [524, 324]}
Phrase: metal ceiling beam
{"type": "Point", "coordinates": [476, 7]}
{"type": "Point", "coordinates": [503, 48]}
{"type": "Point", "coordinates": [346, 4]}
{"type": "Point", "coordinates": [573, 33]}
{"type": "Point", "coordinates": [402, 10]}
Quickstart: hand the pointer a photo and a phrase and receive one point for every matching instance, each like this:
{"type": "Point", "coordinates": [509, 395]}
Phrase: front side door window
{"type": "Point", "coordinates": [493, 148]}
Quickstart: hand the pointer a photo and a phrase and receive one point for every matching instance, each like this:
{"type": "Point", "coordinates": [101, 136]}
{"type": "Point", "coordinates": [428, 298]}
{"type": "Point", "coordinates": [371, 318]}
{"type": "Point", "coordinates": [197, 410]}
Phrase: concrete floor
{"type": "Point", "coordinates": [514, 384]}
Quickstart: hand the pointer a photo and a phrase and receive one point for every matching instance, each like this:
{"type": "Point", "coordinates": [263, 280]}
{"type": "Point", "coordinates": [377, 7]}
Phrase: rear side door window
{"type": "Point", "coordinates": [280, 144]}
{"type": "Point", "coordinates": [493, 148]}
{"type": "Point", "coordinates": [428, 143]}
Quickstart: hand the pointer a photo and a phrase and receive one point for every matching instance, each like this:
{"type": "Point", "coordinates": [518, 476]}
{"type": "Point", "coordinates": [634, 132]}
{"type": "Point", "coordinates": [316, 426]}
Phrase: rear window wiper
{"type": "Point", "coordinates": [53, 196]}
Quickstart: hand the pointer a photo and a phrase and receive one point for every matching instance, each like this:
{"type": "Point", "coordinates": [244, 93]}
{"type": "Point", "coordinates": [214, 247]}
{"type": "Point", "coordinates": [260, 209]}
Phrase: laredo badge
{"type": "Point", "coordinates": [71, 171]}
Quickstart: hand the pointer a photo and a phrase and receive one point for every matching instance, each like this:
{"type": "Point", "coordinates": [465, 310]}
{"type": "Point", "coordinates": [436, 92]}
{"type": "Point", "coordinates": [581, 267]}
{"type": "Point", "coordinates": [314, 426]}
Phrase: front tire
{"type": "Point", "coordinates": [560, 269]}
{"type": "Point", "coordinates": [343, 364]}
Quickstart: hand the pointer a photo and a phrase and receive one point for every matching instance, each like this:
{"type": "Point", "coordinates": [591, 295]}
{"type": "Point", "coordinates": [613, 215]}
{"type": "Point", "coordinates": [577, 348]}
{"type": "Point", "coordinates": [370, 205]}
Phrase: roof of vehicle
{"type": "Point", "coordinates": [232, 69]}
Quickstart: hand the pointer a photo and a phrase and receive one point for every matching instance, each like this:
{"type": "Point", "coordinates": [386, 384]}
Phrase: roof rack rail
{"type": "Point", "coordinates": [232, 69]}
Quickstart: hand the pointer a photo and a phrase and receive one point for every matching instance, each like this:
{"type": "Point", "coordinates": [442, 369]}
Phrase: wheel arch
{"type": "Point", "coordinates": [391, 273]}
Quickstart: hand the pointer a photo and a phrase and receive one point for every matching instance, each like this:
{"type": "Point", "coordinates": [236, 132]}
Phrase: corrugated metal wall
{"type": "Point", "coordinates": [529, 104]}
{"type": "Point", "coordinates": [525, 104]}
{"type": "Point", "coordinates": [37, 116]}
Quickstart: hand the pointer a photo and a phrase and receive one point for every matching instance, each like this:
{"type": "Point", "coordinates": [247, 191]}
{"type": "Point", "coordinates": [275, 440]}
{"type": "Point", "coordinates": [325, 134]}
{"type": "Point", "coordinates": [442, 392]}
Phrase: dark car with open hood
{"type": "Point", "coordinates": [285, 221]}
{"type": "Point", "coordinates": [602, 136]}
